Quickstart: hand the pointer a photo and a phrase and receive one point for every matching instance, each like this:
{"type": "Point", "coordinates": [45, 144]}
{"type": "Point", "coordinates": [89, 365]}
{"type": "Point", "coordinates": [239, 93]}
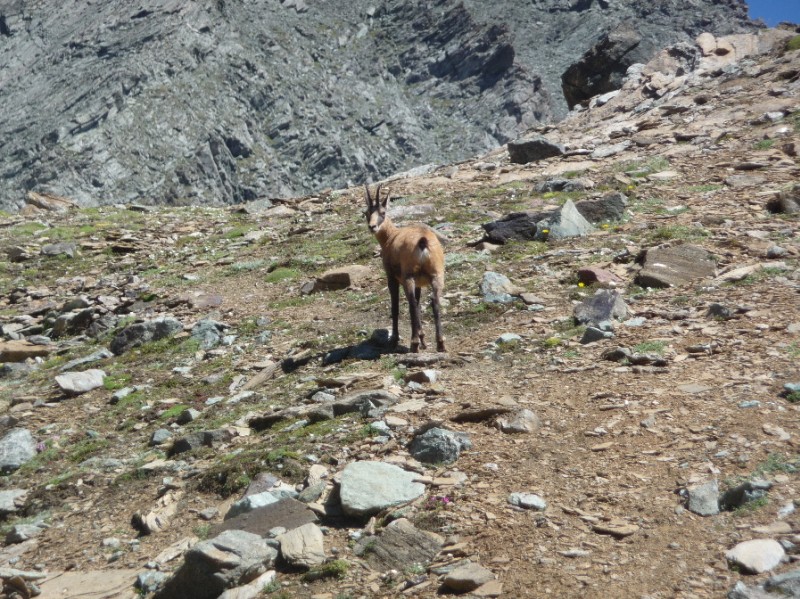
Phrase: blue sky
{"type": "Point", "coordinates": [775, 11]}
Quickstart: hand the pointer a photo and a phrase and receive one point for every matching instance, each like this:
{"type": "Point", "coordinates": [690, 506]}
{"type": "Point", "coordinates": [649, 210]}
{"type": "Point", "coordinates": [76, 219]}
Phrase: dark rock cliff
{"type": "Point", "coordinates": [201, 102]}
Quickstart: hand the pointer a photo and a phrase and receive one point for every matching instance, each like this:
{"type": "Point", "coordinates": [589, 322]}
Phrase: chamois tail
{"type": "Point", "coordinates": [423, 250]}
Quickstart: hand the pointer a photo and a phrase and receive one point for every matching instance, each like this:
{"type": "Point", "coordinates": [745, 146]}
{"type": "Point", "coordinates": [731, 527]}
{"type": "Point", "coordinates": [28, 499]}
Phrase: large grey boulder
{"type": "Point", "coordinates": [439, 446]}
{"type": "Point", "coordinates": [199, 439]}
{"type": "Point", "coordinates": [533, 149]}
{"type": "Point", "coordinates": [517, 226]}
{"type": "Point", "coordinates": [73, 322]}
{"type": "Point", "coordinates": [703, 499]}
{"type": "Point", "coordinates": [786, 585]}
{"type": "Point", "coordinates": [611, 207]}
{"type": "Point", "coordinates": [497, 289]}
{"type": "Point", "coordinates": [208, 332]}
{"type": "Point", "coordinates": [231, 559]}
{"type": "Point", "coordinates": [144, 332]}
{"type": "Point", "coordinates": [366, 488]}
{"type": "Point", "coordinates": [17, 447]}
{"type": "Point", "coordinates": [565, 222]}
{"type": "Point", "coordinates": [303, 547]}
{"type": "Point", "coordinates": [604, 306]}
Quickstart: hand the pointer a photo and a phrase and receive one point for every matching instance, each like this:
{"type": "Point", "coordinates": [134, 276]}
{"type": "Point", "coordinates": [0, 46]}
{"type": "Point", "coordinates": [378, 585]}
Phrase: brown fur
{"type": "Point", "coordinates": [413, 258]}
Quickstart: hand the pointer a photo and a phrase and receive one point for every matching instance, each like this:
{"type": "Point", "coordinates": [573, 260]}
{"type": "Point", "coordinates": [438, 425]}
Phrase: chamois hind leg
{"type": "Point", "coordinates": [394, 292]}
{"type": "Point", "coordinates": [437, 284]}
{"type": "Point", "coordinates": [417, 296]}
{"type": "Point", "coordinates": [413, 309]}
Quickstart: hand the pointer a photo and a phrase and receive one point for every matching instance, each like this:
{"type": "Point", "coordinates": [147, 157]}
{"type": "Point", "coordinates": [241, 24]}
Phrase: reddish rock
{"type": "Point", "coordinates": [591, 275]}
{"type": "Point", "coordinates": [19, 351]}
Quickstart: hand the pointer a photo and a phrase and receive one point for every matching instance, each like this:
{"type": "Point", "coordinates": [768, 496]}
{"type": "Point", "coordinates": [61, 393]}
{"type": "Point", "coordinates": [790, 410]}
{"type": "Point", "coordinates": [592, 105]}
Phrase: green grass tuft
{"type": "Point", "coordinates": [650, 347]}
{"type": "Point", "coordinates": [282, 274]}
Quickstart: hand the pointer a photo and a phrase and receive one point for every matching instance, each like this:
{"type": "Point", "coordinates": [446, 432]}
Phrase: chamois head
{"type": "Point", "coordinates": [376, 208]}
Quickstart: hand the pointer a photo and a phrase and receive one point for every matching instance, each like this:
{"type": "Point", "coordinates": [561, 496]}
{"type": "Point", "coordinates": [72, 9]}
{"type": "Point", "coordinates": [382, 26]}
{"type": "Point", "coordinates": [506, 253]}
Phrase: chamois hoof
{"type": "Point", "coordinates": [440, 348]}
{"type": "Point", "coordinates": [415, 348]}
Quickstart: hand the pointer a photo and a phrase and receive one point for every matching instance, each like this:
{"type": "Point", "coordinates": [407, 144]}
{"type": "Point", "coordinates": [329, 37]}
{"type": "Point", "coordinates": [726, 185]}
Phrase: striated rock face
{"type": "Point", "coordinates": [552, 35]}
{"type": "Point", "coordinates": [181, 102]}
{"type": "Point", "coordinates": [602, 69]}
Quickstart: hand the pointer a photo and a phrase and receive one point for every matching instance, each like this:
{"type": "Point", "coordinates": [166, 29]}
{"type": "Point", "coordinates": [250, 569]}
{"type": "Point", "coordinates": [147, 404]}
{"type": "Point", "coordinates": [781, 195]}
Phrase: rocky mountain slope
{"type": "Point", "coordinates": [199, 401]}
{"type": "Point", "coordinates": [184, 102]}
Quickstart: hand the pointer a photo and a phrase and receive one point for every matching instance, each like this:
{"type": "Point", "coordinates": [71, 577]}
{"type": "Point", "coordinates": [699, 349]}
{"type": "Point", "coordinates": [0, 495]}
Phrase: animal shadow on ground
{"type": "Point", "coordinates": [377, 345]}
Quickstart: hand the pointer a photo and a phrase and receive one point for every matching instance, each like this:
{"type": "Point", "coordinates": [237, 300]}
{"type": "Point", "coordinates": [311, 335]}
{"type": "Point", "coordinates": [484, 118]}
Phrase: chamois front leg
{"type": "Point", "coordinates": [436, 293]}
{"type": "Point", "coordinates": [394, 292]}
{"type": "Point", "coordinates": [413, 309]}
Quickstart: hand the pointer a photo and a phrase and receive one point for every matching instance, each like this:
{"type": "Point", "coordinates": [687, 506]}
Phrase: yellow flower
{"type": "Point", "coordinates": [581, 284]}
{"type": "Point", "coordinates": [545, 231]}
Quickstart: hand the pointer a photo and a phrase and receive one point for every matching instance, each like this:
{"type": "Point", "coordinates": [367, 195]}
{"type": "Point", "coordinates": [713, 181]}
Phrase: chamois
{"type": "Point", "coordinates": [412, 257]}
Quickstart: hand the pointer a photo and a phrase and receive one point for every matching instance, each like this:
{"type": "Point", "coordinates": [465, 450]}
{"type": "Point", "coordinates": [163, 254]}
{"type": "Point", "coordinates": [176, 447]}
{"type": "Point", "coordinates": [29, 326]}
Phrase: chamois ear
{"type": "Point", "coordinates": [384, 202]}
{"type": "Point", "coordinates": [369, 198]}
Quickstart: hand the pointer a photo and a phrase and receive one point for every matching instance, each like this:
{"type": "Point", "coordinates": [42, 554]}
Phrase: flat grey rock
{"type": "Point", "coordinates": [519, 422]}
{"type": "Point", "coordinates": [399, 546]}
{"type": "Point", "coordinates": [100, 354]}
{"type": "Point", "coordinates": [77, 383]}
{"type": "Point", "coordinates": [367, 403]}
{"type": "Point", "coordinates": [593, 335]}
{"type": "Point", "coordinates": [756, 556]}
{"type": "Point", "coordinates": [17, 447]}
{"type": "Point", "coordinates": [140, 333]}
{"type": "Point", "coordinates": [11, 500]}
{"type": "Point", "coordinates": [787, 584]}
{"type": "Point", "coordinates": [20, 533]}
{"type": "Point", "coordinates": [468, 578]}
{"type": "Point", "coordinates": [369, 487]}
{"type": "Point", "coordinates": [251, 502]}
{"type": "Point", "coordinates": [200, 439]}
{"type": "Point", "coordinates": [287, 513]}
{"type": "Point", "coordinates": [527, 501]}
{"type": "Point", "coordinates": [674, 266]}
